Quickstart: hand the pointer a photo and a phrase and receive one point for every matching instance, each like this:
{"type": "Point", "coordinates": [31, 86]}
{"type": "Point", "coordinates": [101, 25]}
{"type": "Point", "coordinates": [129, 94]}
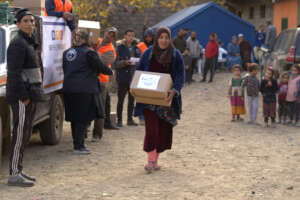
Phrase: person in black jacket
{"type": "Point", "coordinates": [81, 88]}
{"type": "Point", "coordinates": [269, 88]}
{"type": "Point", "coordinates": [23, 91]}
{"type": "Point", "coordinates": [126, 50]}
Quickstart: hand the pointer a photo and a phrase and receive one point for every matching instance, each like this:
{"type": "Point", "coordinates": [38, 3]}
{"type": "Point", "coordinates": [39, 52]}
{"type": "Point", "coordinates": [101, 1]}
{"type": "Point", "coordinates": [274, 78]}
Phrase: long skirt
{"type": "Point", "coordinates": [159, 133]}
{"type": "Point", "coordinates": [238, 105]}
{"type": "Point", "coordinates": [82, 107]}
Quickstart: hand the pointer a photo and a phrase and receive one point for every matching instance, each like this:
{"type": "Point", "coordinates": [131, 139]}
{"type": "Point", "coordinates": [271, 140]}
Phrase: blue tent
{"type": "Point", "coordinates": [209, 18]}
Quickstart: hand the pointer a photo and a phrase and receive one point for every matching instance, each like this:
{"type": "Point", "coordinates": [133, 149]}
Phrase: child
{"type": "Point", "coordinates": [269, 88]}
{"type": "Point", "coordinates": [222, 55]}
{"type": "Point", "coordinates": [283, 106]}
{"type": "Point", "coordinates": [252, 85]}
{"type": "Point", "coordinates": [293, 97]}
{"type": "Point", "coordinates": [188, 66]}
{"type": "Point", "coordinates": [236, 94]}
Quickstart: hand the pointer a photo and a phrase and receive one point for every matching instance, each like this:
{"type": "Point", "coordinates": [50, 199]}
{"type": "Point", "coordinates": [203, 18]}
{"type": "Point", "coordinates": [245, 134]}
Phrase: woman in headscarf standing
{"type": "Point", "coordinates": [159, 120]}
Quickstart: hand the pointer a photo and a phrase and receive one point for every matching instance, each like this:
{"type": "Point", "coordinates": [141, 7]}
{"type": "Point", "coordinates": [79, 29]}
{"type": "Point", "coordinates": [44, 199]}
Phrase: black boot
{"type": "Point", "coordinates": [130, 122]}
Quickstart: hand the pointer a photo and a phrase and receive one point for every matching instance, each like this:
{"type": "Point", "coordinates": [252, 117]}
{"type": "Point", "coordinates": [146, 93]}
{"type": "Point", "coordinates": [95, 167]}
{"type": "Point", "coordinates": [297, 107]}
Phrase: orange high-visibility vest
{"type": "Point", "coordinates": [61, 7]}
{"type": "Point", "coordinates": [102, 50]}
{"type": "Point", "coordinates": [143, 47]}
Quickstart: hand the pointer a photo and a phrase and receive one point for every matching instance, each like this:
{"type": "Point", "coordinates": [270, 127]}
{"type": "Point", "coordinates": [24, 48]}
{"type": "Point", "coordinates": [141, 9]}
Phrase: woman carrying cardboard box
{"type": "Point", "coordinates": [159, 120]}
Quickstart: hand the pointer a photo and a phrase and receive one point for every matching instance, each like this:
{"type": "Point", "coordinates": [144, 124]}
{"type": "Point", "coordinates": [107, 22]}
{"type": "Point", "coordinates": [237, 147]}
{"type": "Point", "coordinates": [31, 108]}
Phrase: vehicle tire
{"type": "Point", "coordinates": [51, 129]}
{"type": "Point", "coordinates": [1, 140]}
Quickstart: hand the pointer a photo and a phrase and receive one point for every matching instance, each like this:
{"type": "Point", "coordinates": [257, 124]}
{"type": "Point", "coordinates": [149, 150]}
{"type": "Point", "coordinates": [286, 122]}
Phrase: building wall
{"type": "Point", "coordinates": [243, 10]}
{"type": "Point", "coordinates": [286, 9]}
{"type": "Point", "coordinates": [37, 7]}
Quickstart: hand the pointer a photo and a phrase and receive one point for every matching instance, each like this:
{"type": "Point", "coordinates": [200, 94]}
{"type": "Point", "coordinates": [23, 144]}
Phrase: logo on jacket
{"type": "Point", "coordinates": [71, 55]}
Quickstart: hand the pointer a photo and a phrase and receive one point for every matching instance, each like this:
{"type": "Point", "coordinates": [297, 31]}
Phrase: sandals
{"type": "Point", "coordinates": [152, 166]}
{"type": "Point", "coordinates": [149, 168]}
{"type": "Point", "coordinates": [156, 167]}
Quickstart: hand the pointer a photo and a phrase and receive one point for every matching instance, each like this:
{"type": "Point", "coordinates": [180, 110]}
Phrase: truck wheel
{"type": "Point", "coordinates": [1, 140]}
{"type": "Point", "coordinates": [51, 129]}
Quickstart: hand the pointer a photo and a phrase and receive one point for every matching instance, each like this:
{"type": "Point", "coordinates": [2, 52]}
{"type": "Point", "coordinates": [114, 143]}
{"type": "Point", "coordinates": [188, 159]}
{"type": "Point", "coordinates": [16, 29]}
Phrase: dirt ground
{"type": "Point", "coordinates": [211, 158]}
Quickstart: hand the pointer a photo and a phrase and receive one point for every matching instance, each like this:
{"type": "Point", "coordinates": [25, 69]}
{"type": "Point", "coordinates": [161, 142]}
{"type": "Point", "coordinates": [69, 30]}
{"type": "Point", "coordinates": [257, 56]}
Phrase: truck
{"type": "Point", "coordinates": [49, 117]}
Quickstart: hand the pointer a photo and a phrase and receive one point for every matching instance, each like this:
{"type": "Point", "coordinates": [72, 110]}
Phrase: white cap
{"type": "Point", "coordinates": [241, 35]}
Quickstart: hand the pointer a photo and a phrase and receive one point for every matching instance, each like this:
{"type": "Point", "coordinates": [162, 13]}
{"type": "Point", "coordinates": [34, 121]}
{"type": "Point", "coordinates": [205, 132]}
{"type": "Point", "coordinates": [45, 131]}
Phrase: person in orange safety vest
{"type": "Point", "coordinates": [148, 40]}
{"type": "Point", "coordinates": [61, 8]}
{"type": "Point", "coordinates": [108, 55]}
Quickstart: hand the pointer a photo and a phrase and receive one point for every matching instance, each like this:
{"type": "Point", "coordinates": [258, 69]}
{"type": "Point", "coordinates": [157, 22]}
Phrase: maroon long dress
{"type": "Point", "coordinates": [159, 132]}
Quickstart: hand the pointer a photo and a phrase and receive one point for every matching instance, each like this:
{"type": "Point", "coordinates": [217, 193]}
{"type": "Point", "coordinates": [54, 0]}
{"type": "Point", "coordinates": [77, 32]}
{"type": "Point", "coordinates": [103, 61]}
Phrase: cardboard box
{"type": "Point", "coordinates": [37, 7]}
{"type": "Point", "coordinates": [151, 88]}
{"type": "Point", "coordinates": [93, 29]}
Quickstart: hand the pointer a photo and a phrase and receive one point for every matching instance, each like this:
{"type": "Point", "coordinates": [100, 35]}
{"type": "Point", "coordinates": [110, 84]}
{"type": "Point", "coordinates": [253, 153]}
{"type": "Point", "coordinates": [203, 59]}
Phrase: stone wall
{"type": "Point", "coordinates": [127, 20]}
{"type": "Point", "coordinates": [124, 20]}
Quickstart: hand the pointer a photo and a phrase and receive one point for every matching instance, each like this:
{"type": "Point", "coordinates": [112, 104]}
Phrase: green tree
{"type": "Point", "coordinates": [2, 1]}
{"type": "Point", "coordinates": [100, 9]}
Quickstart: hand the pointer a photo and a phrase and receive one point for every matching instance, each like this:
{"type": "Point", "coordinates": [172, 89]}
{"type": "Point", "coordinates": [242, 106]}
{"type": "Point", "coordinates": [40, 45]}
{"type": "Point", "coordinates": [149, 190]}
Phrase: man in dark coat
{"type": "Point", "coordinates": [179, 41]}
{"type": "Point", "coordinates": [23, 91]}
{"type": "Point", "coordinates": [128, 56]}
{"type": "Point", "coordinates": [245, 50]}
{"type": "Point", "coordinates": [271, 34]}
{"type": "Point", "coordinates": [81, 88]}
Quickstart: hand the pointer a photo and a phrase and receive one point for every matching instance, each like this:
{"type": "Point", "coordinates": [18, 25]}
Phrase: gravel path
{"type": "Point", "coordinates": [211, 159]}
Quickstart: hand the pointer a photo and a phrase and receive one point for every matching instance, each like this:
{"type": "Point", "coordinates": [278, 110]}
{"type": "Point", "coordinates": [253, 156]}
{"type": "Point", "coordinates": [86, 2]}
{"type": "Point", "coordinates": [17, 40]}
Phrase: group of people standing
{"type": "Point", "coordinates": [193, 52]}
{"type": "Point", "coordinates": [240, 50]}
{"type": "Point", "coordinates": [283, 94]}
{"type": "Point", "coordinates": [82, 66]}
{"type": "Point", "coordinates": [87, 69]}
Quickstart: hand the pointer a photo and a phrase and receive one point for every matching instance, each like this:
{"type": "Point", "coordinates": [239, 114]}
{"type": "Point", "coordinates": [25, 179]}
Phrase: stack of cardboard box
{"type": "Point", "coordinates": [37, 7]}
{"type": "Point", "coordinates": [93, 29]}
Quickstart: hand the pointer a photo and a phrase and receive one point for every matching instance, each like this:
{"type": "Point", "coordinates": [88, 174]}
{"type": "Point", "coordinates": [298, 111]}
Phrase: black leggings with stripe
{"type": "Point", "coordinates": [22, 122]}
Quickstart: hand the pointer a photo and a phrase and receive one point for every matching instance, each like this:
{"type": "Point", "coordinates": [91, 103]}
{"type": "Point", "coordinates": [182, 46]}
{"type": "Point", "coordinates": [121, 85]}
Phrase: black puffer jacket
{"type": "Point", "coordinates": [23, 70]}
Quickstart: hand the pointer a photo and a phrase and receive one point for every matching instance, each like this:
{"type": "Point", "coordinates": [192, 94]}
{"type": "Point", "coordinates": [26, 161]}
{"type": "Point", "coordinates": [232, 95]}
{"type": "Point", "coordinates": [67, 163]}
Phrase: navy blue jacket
{"type": "Point", "coordinates": [260, 39]}
{"type": "Point", "coordinates": [81, 67]}
{"type": "Point", "coordinates": [50, 8]}
{"type": "Point", "coordinates": [125, 72]}
{"type": "Point", "coordinates": [177, 74]}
